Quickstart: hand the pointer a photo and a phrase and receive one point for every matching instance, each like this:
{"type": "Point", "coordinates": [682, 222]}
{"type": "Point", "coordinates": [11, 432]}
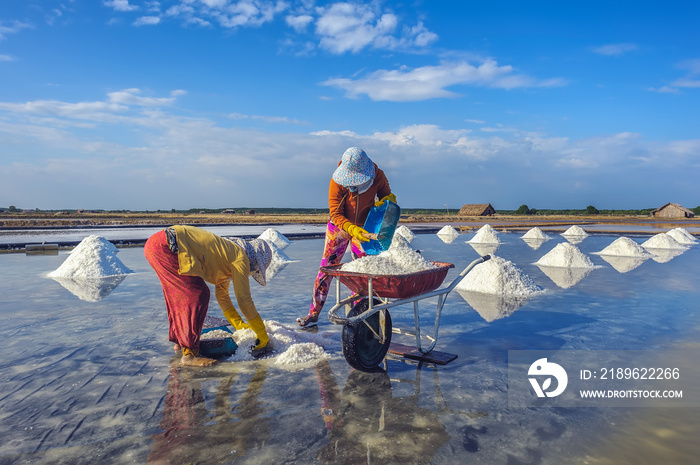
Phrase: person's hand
{"type": "Point", "coordinates": [358, 233]}
{"type": "Point", "coordinates": [390, 198]}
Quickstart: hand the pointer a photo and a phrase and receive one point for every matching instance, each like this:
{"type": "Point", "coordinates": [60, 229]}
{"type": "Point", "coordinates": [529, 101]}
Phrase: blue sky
{"type": "Point", "coordinates": [136, 104]}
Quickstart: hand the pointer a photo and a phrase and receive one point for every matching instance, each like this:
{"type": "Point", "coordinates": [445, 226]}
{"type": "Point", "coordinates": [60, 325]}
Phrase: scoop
{"type": "Point", "coordinates": [381, 224]}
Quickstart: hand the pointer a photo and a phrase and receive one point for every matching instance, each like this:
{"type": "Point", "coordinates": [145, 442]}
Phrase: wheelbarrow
{"type": "Point", "coordinates": [367, 326]}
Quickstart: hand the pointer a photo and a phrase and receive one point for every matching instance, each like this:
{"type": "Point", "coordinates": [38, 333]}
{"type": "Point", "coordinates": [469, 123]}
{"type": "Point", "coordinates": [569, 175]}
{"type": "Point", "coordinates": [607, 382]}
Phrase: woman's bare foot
{"type": "Point", "coordinates": [198, 361]}
{"type": "Point", "coordinates": [177, 348]}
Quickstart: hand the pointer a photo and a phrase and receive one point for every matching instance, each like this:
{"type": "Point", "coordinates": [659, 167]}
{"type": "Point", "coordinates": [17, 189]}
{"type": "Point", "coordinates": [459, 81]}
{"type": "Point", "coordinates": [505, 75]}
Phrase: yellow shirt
{"type": "Point", "coordinates": [218, 261]}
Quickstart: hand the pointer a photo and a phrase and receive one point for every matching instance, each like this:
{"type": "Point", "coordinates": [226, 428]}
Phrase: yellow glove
{"type": "Point", "coordinates": [356, 232]}
{"type": "Point", "coordinates": [235, 319]}
{"type": "Point", "coordinates": [390, 198]}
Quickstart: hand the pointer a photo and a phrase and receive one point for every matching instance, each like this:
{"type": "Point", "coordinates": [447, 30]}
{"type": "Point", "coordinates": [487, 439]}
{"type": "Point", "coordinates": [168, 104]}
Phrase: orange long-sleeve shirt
{"type": "Point", "coordinates": [353, 207]}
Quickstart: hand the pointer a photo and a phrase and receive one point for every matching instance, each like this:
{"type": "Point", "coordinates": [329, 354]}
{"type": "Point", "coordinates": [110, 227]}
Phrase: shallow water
{"type": "Point", "coordinates": [95, 380]}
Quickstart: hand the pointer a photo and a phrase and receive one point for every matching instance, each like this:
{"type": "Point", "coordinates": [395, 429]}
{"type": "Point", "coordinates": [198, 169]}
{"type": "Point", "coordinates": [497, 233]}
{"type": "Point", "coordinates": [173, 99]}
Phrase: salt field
{"type": "Point", "coordinates": [89, 375]}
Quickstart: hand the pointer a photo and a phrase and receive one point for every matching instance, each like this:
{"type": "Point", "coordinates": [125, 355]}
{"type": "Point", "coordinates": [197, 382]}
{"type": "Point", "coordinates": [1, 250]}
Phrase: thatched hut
{"type": "Point", "coordinates": [672, 210]}
{"type": "Point", "coordinates": [477, 209]}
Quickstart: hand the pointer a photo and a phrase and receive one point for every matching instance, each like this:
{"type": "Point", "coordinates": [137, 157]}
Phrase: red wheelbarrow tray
{"type": "Point", "coordinates": [400, 286]}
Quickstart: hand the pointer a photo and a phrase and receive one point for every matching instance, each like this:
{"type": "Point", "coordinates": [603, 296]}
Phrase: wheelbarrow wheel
{"type": "Point", "coordinates": [361, 347]}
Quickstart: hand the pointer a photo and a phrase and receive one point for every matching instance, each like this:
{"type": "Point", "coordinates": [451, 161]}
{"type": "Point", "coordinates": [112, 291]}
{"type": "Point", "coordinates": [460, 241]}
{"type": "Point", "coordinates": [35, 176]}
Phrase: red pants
{"type": "Point", "coordinates": [186, 297]}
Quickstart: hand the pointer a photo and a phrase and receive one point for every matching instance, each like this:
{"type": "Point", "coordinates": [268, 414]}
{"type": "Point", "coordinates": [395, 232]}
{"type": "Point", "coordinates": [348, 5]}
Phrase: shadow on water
{"type": "Point", "coordinates": [522, 331]}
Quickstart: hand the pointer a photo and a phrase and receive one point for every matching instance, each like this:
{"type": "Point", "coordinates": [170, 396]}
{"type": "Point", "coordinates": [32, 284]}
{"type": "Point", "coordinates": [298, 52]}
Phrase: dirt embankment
{"type": "Point", "coordinates": [72, 220]}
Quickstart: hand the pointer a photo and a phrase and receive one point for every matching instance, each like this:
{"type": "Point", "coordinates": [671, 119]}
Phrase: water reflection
{"type": "Point", "coordinates": [492, 306]}
{"type": "Point", "coordinates": [194, 434]}
{"type": "Point", "coordinates": [624, 264]}
{"type": "Point", "coordinates": [366, 424]}
{"type": "Point", "coordinates": [448, 238]}
{"type": "Point", "coordinates": [665, 255]}
{"type": "Point", "coordinates": [535, 243]}
{"type": "Point", "coordinates": [91, 289]}
{"type": "Point", "coordinates": [565, 277]}
{"type": "Point", "coordinates": [484, 249]}
{"type": "Point", "coordinates": [574, 239]}
{"type": "Point", "coordinates": [279, 261]}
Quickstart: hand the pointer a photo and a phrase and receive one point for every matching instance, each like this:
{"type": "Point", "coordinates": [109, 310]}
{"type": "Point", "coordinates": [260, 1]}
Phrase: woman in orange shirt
{"type": "Point", "coordinates": [354, 188]}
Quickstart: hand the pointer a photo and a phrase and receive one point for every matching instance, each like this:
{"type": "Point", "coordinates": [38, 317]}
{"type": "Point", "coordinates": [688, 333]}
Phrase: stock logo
{"type": "Point", "coordinates": [547, 370]}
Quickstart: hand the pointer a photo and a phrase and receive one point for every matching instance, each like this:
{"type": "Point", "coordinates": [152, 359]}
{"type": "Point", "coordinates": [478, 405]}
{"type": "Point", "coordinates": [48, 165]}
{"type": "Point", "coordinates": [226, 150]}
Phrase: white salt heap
{"type": "Point", "coordinates": [575, 231]}
{"type": "Point", "coordinates": [662, 241]}
{"type": "Point", "coordinates": [498, 276]}
{"type": "Point", "coordinates": [275, 237]}
{"type": "Point", "coordinates": [404, 232]}
{"type": "Point", "coordinates": [485, 235]}
{"type": "Point", "coordinates": [399, 259]}
{"type": "Point", "coordinates": [448, 231]}
{"type": "Point", "coordinates": [291, 349]}
{"type": "Point", "coordinates": [682, 236]}
{"type": "Point", "coordinates": [536, 233]}
{"type": "Point", "coordinates": [565, 255]}
{"type": "Point", "coordinates": [94, 257]}
{"type": "Point", "coordinates": [625, 247]}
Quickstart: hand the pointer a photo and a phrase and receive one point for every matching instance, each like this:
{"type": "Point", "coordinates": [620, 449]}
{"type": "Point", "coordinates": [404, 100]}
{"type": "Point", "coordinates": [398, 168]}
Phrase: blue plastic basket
{"type": "Point", "coordinates": [382, 221]}
{"type": "Point", "coordinates": [218, 347]}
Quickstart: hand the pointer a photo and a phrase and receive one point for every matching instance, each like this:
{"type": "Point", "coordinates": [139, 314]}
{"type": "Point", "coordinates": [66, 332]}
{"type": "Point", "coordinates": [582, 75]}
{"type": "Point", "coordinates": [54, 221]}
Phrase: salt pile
{"type": "Point", "coordinates": [448, 234]}
{"type": "Point", "coordinates": [399, 259]}
{"type": "Point", "coordinates": [662, 241]}
{"type": "Point", "coordinates": [404, 232]}
{"type": "Point", "coordinates": [448, 231]}
{"type": "Point", "coordinates": [291, 349]}
{"type": "Point", "coordinates": [625, 247]}
{"type": "Point", "coordinates": [94, 257]}
{"type": "Point", "coordinates": [536, 234]}
{"type": "Point", "coordinates": [275, 237]}
{"type": "Point", "coordinates": [565, 255]}
{"type": "Point", "coordinates": [485, 235]}
{"type": "Point", "coordinates": [682, 236]}
{"type": "Point", "coordinates": [498, 276]}
{"type": "Point", "coordinates": [575, 231]}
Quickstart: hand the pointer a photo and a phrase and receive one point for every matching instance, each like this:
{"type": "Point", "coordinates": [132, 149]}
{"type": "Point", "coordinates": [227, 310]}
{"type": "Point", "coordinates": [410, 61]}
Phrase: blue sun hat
{"type": "Point", "coordinates": [355, 168]}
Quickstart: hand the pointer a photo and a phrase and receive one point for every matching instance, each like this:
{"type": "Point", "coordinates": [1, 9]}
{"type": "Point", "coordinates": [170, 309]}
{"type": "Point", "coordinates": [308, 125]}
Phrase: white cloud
{"type": "Point", "coordinates": [247, 13]}
{"type": "Point", "coordinates": [427, 82]}
{"type": "Point", "coordinates": [147, 21]}
{"type": "Point", "coordinates": [243, 13]}
{"type": "Point", "coordinates": [120, 5]}
{"type": "Point", "coordinates": [267, 119]}
{"type": "Point", "coordinates": [691, 79]}
{"type": "Point", "coordinates": [125, 151]}
{"type": "Point", "coordinates": [348, 27]}
{"type": "Point", "coordinates": [300, 22]}
{"type": "Point", "coordinates": [131, 97]}
{"type": "Point", "coordinates": [6, 58]}
{"type": "Point", "coordinates": [615, 49]}
{"type": "Point", "coordinates": [13, 27]}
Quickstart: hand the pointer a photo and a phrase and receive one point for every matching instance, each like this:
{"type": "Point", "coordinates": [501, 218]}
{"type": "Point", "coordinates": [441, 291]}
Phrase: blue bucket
{"type": "Point", "coordinates": [218, 347]}
{"type": "Point", "coordinates": [382, 221]}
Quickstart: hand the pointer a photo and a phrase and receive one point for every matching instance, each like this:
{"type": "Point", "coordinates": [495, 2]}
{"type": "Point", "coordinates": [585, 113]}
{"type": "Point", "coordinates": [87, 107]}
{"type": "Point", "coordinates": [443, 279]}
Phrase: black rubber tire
{"type": "Point", "coordinates": [361, 348]}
